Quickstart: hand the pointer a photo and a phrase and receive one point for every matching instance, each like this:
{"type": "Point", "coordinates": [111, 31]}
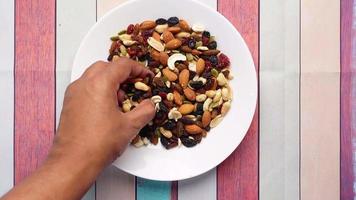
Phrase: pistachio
{"type": "Point", "coordinates": [189, 57]}
{"type": "Point", "coordinates": [198, 28]}
{"type": "Point", "coordinates": [161, 28]}
{"type": "Point", "coordinates": [221, 79]}
{"type": "Point", "coordinates": [123, 37]}
{"type": "Point", "coordinates": [141, 86]}
{"type": "Point", "coordinates": [214, 72]}
{"type": "Point", "coordinates": [155, 44]}
{"type": "Point", "coordinates": [170, 96]}
{"type": "Point", "coordinates": [225, 94]}
{"type": "Point", "coordinates": [225, 107]}
{"type": "Point", "coordinates": [123, 50]}
{"type": "Point", "coordinates": [207, 103]}
{"type": "Point", "coordinates": [174, 58]}
{"type": "Point", "coordinates": [156, 99]}
{"type": "Point", "coordinates": [200, 98]}
{"type": "Point", "coordinates": [174, 114]}
{"type": "Point", "coordinates": [210, 93]}
{"type": "Point", "coordinates": [165, 133]}
{"type": "Point", "coordinates": [216, 121]}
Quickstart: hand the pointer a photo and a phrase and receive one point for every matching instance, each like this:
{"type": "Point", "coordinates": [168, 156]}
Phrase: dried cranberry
{"type": "Point", "coordinates": [212, 45]}
{"type": "Point", "coordinates": [130, 29]}
{"type": "Point", "coordinates": [147, 33]}
{"type": "Point", "coordinates": [132, 52]}
{"type": "Point", "coordinates": [153, 63]}
{"type": "Point", "coordinates": [214, 60]}
{"type": "Point", "coordinates": [206, 34]}
{"type": "Point", "coordinates": [160, 21]}
{"type": "Point", "coordinates": [162, 95]}
{"type": "Point", "coordinates": [191, 43]}
{"type": "Point", "coordinates": [208, 65]}
{"type": "Point", "coordinates": [224, 61]}
{"type": "Point", "coordinates": [173, 21]}
{"type": "Point", "coordinates": [205, 41]}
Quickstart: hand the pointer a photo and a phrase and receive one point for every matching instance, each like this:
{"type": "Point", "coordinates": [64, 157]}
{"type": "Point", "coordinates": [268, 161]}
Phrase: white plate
{"type": "Point", "coordinates": [154, 162]}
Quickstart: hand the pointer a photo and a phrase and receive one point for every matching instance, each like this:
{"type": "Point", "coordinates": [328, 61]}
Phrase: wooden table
{"type": "Point", "coordinates": [301, 143]}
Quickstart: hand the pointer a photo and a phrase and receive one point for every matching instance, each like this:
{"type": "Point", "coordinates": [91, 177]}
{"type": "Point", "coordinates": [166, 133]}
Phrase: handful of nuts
{"type": "Point", "coordinates": [190, 88]}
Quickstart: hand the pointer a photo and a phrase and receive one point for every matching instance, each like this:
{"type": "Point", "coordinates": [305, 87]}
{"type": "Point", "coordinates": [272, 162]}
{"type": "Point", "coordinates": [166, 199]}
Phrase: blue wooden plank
{"type": "Point", "coordinates": [152, 190]}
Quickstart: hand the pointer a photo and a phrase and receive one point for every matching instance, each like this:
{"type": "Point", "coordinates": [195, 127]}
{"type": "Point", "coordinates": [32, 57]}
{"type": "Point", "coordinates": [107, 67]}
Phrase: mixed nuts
{"type": "Point", "coordinates": [190, 88]}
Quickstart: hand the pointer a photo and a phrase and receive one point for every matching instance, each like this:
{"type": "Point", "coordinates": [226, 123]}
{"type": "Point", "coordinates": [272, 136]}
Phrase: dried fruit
{"type": "Point", "coordinates": [173, 21]}
{"type": "Point", "coordinates": [161, 21]}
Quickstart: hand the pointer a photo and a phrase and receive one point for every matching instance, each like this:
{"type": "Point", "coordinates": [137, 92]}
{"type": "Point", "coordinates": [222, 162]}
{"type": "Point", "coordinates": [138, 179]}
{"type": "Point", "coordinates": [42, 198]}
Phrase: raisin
{"type": "Point", "coordinates": [196, 84]}
{"type": "Point", "coordinates": [206, 34]}
{"type": "Point", "coordinates": [206, 74]}
{"type": "Point", "coordinates": [191, 43]}
{"type": "Point", "coordinates": [192, 74]}
{"type": "Point", "coordinates": [199, 107]}
{"type": "Point", "coordinates": [169, 143]}
{"type": "Point", "coordinates": [170, 125]}
{"type": "Point", "coordinates": [163, 107]}
{"type": "Point", "coordinates": [110, 57]}
{"type": "Point", "coordinates": [212, 45]}
{"type": "Point", "coordinates": [130, 29]}
{"type": "Point", "coordinates": [173, 21]}
{"type": "Point", "coordinates": [209, 84]}
{"type": "Point", "coordinates": [147, 33]}
{"type": "Point", "coordinates": [214, 60]}
{"type": "Point", "coordinates": [205, 41]}
{"type": "Point", "coordinates": [187, 121]}
{"type": "Point", "coordinates": [187, 141]}
{"type": "Point", "coordinates": [161, 21]}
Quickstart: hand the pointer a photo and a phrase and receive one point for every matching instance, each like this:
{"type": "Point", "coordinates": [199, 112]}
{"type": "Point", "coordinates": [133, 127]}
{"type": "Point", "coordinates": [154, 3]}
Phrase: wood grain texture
{"type": "Point", "coordinates": [34, 83]}
{"type": "Point", "coordinates": [70, 29]}
{"type": "Point", "coordinates": [237, 176]}
{"type": "Point", "coordinates": [153, 190]}
{"type": "Point", "coordinates": [115, 184]}
{"type": "Point", "coordinates": [348, 99]}
{"type": "Point", "coordinates": [203, 186]}
{"type": "Point", "coordinates": [279, 99]}
{"type": "Point", "coordinates": [320, 99]}
{"type": "Point", "coordinates": [7, 95]}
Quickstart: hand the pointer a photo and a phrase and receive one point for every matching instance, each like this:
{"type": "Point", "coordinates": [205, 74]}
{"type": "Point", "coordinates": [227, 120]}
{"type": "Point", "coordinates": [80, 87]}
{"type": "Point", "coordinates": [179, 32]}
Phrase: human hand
{"type": "Point", "coordinates": [92, 125]}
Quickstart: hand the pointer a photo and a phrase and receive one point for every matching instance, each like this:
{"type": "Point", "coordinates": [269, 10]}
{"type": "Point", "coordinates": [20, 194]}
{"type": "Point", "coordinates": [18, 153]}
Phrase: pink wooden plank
{"type": "Point", "coordinates": [348, 99]}
{"type": "Point", "coordinates": [238, 175]}
{"type": "Point", "coordinates": [174, 190]}
{"type": "Point", "coordinates": [34, 83]}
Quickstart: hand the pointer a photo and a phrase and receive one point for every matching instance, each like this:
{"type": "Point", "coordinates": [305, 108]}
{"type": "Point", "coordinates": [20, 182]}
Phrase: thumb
{"type": "Point", "coordinates": [141, 115]}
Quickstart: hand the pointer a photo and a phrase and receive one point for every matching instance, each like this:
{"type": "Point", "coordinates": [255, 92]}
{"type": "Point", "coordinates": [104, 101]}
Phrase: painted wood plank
{"type": "Point", "coordinates": [237, 176]}
{"type": "Point", "coordinates": [113, 184]}
{"type": "Point", "coordinates": [70, 29]}
{"type": "Point", "coordinates": [7, 95]}
{"type": "Point", "coordinates": [204, 186]}
{"type": "Point", "coordinates": [348, 99]}
{"type": "Point", "coordinates": [153, 190]}
{"type": "Point", "coordinates": [34, 83]}
{"type": "Point", "coordinates": [279, 99]}
{"type": "Point", "coordinates": [320, 99]}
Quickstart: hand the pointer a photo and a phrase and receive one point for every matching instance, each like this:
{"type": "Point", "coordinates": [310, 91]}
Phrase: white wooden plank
{"type": "Point", "coordinates": [113, 183]}
{"type": "Point", "coordinates": [204, 186]}
{"type": "Point", "coordinates": [71, 28]}
{"type": "Point", "coordinates": [279, 99]}
{"type": "Point", "coordinates": [7, 95]}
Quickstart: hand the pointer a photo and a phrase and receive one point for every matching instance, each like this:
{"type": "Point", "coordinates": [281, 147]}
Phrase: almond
{"type": "Point", "coordinates": [206, 118]}
{"type": "Point", "coordinates": [189, 93]}
{"type": "Point", "coordinates": [167, 36]}
{"type": "Point", "coordinates": [211, 52]}
{"type": "Point", "coordinates": [174, 29]}
{"type": "Point", "coordinates": [200, 66]}
{"type": "Point", "coordinates": [155, 55]}
{"type": "Point", "coordinates": [173, 44]}
{"type": "Point", "coordinates": [184, 78]}
{"type": "Point", "coordinates": [184, 25]}
{"type": "Point", "coordinates": [171, 76]}
{"type": "Point", "coordinates": [186, 109]}
{"type": "Point", "coordinates": [177, 98]}
{"type": "Point", "coordinates": [156, 36]}
{"type": "Point", "coordinates": [186, 49]}
{"type": "Point", "coordinates": [196, 52]}
{"type": "Point", "coordinates": [163, 58]}
{"type": "Point", "coordinates": [147, 25]}
{"type": "Point", "coordinates": [193, 129]}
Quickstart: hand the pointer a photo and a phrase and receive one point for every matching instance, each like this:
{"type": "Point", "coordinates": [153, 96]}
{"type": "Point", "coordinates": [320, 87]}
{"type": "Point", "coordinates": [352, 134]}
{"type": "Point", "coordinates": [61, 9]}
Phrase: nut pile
{"type": "Point", "coordinates": [190, 88]}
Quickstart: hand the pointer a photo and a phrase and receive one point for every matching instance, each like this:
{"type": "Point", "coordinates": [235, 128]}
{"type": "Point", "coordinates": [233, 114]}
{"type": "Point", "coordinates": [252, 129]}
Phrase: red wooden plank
{"type": "Point", "coordinates": [348, 101]}
{"type": "Point", "coordinates": [238, 175]}
{"type": "Point", "coordinates": [174, 190]}
{"type": "Point", "coordinates": [34, 83]}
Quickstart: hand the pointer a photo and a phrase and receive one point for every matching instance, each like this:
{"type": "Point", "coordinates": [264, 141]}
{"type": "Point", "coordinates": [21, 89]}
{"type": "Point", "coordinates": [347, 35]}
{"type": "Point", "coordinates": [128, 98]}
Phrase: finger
{"type": "Point", "coordinates": [142, 114]}
{"type": "Point", "coordinates": [120, 96]}
{"type": "Point", "coordinates": [117, 72]}
{"type": "Point", "coordinates": [95, 68]}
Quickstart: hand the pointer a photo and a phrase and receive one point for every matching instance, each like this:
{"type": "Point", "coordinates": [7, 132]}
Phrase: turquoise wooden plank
{"type": "Point", "coordinates": [152, 190]}
{"type": "Point", "coordinates": [279, 99]}
{"type": "Point", "coordinates": [7, 95]}
{"type": "Point", "coordinates": [71, 28]}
